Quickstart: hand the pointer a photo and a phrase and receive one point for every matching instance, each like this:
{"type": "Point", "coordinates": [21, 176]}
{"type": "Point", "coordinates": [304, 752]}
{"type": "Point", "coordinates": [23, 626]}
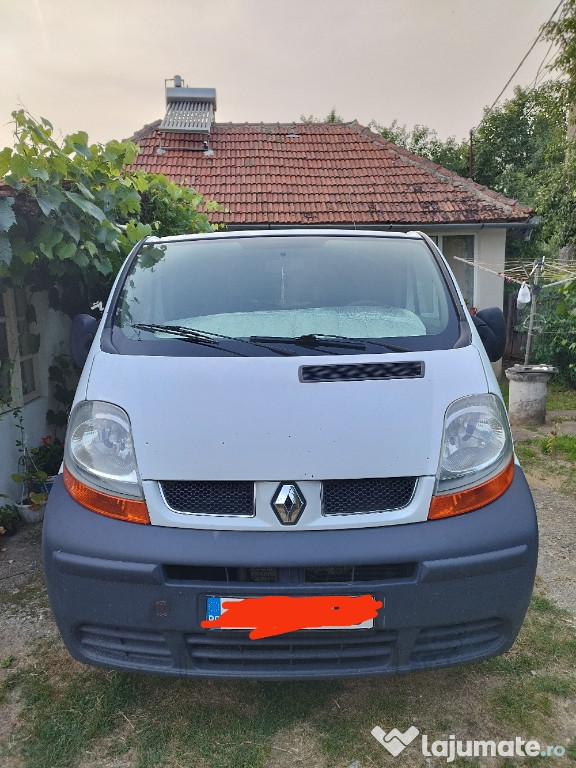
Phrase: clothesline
{"type": "Point", "coordinates": [509, 279]}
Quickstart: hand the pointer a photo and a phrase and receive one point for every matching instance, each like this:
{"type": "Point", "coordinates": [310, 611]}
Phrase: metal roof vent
{"type": "Point", "coordinates": [188, 110]}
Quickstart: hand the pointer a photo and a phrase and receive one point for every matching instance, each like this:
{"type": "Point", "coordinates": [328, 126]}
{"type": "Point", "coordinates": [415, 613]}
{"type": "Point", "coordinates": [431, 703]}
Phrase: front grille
{"type": "Point", "coordinates": [339, 497]}
{"type": "Point", "coordinates": [458, 641]}
{"type": "Point", "coordinates": [355, 573]}
{"type": "Point", "coordinates": [222, 573]}
{"type": "Point", "coordinates": [307, 653]}
{"type": "Point", "coordinates": [126, 645]}
{"type": "Point", "coordinates": [210, 498]}
{"type": "Point", "coordinates": [335, 574]}
{"type": "Point", "coordinates": [365, 651]}
{"type": "Point", "coordinates": [347, 497]}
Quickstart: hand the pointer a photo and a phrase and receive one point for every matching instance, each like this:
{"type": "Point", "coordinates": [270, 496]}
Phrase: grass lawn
{"type": "Point", "coordinates": [552, 455]}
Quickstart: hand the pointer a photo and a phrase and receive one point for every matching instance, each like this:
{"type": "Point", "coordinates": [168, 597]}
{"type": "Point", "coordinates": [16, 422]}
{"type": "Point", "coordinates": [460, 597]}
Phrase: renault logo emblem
{"type": "Point", "coordinates": [288, 503]}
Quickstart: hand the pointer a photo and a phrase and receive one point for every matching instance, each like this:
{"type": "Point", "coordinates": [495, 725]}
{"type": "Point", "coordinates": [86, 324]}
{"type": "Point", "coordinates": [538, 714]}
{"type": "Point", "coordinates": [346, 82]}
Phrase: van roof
{"type": "Point", "coordinates": [289, 232]}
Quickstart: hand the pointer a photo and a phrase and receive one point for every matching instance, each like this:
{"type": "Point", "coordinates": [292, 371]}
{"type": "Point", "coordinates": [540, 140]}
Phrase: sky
{"type": "Point", "coordinates": [101, 65]}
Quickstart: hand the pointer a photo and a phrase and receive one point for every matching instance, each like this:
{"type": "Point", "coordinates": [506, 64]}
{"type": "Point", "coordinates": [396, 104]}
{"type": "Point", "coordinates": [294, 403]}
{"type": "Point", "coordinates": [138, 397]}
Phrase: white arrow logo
{"type": "Point", "coordinates": [394, 741]}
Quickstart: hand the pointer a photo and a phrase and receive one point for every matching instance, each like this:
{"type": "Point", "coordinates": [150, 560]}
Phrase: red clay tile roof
{"type": "Point", "coordinates": [318, 173]}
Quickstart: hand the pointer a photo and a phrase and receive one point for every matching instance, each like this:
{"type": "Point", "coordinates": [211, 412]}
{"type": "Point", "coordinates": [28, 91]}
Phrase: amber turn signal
{"type": "Point", "coordinates": [130, 510]}
{"type": "Point", "coordinates": [472, 498]}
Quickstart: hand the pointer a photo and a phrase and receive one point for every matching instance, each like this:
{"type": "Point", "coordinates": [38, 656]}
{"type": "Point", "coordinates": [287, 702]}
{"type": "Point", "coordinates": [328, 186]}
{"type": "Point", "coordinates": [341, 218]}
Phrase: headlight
{"type": "Point", "coordinates": [100, 465]}
{"type": "Point", "coordinates": [476, 457]}
{"type": "Point", "coordinates": [476, 442]}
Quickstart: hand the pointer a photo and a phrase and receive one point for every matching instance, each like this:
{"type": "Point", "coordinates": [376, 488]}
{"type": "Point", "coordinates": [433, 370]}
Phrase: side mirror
{"type": "Point", "coordinates": [82, 335]}
{"type": "Point", "coordinates": [491, 327]}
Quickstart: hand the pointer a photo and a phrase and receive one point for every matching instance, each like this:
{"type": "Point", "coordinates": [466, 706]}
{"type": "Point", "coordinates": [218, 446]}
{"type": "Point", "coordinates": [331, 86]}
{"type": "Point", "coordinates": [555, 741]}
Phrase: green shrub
{"type": "Point", "coordinates": [553, 345]}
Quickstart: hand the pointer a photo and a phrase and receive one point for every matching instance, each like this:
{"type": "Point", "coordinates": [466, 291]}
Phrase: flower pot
{"type": "Point", "coordinates": [45, 486]}
{"type": "Point", "coordinates": [30, 513]}
{"type": "Point", "coordinates": [49, 483]}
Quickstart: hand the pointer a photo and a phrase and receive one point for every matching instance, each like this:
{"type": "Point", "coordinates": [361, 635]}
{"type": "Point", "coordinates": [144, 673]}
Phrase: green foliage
{"type": "Point", "coordinates": [48, 456]}
{"type": "Point", "coordinates": [331, 117]}
{"type": "Point", "coordinates": [559, 398]}
{"type": "Point", "coordinates": [519, 140]}
{"type": "Point", "coordinates": [556, 343]}
{"type": "Point", "coordinates": [29, 475]}
{"type": "Point", "coordinates": [424, 141]}
{"type": "Point", "coordinates": [520, 151]}
{"type": "Point", "coordinates": [560, 444]}
{"type": "Point", "coordinates": [562, 33]}
{"type": "Point", "coordinates": [72, 211]}
{"type": "Point", "coordinates": [169, 209]}
{"type": "Point", "coordinates": [63, 379]}
{"type": "Point", "coordinates": [8, 518]}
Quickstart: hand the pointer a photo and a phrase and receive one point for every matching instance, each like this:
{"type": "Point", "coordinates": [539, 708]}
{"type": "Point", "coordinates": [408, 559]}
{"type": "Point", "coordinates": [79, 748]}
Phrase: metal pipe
{"type": "Point", "coordinates": [473, 228]}
{"type": "Point", "coordinates": [532, 309]}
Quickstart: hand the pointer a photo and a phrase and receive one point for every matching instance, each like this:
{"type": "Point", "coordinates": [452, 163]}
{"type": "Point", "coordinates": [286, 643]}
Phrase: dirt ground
{"type": "Point", "coordinates": [556, 519]}
{"type": "Point", "coordinates": [557, 554]}
{"type": "Point", "coordinates": [26, 614]}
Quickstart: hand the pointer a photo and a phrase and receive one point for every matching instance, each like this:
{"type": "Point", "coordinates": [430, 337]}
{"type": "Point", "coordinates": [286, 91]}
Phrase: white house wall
{"type": "Point", "coordinates": [54, 329]}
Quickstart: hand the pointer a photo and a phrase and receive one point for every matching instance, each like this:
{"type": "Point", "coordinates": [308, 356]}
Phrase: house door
{"type": "Point", "coordinates": [456, 247]}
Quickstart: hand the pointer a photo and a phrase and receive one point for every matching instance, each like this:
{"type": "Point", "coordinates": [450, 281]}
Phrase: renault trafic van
{"type": "Point", "coordinates": [288, 457]}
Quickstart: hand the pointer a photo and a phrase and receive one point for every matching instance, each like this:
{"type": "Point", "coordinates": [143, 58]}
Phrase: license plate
{"type": "Point", "coordinates": [215, 609]}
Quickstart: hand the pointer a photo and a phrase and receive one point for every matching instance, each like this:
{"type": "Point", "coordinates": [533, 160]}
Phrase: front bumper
{"type": "Point", "coordinates": [131, 597]}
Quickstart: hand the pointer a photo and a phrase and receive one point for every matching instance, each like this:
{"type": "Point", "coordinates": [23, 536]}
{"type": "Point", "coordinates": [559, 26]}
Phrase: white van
{"type": "Point", "coordinates": [288, 457]}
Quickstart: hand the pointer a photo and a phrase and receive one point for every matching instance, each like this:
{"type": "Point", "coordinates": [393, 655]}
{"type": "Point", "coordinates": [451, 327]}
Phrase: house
{"type": "Point", "coordinates": [330, 175]}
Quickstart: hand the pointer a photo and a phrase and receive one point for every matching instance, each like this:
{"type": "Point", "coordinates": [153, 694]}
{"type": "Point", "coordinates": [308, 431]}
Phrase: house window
{"type": "Point", "coordinates": [462, 247]}
{"type": "Point", "coordinates": [19, 347]}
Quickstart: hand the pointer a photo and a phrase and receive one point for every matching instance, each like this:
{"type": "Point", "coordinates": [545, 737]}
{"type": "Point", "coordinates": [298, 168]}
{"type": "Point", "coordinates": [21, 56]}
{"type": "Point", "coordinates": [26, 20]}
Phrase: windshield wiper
{"type": "Point", "coordinates": [312, 340]}
{"type": "Point", "coordinates": [206, 338]}
{"type": "Point", "coordinates": [328, 340]}
{"type": "Point", "coordinates": [389, 347]}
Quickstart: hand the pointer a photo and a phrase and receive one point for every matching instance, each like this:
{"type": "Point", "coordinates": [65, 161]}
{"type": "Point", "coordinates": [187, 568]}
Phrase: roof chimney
{"type": "Point", "coordinates": [188, 110]}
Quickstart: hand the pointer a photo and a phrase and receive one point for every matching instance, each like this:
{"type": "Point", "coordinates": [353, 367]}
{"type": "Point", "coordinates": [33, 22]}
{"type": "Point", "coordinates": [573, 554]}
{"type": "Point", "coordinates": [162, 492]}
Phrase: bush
{"type": "Point", "coordinates": [554, 344]}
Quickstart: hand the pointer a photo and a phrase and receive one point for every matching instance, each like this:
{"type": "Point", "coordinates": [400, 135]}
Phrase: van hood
{"type": "Point", "coordinates": [198, 418]}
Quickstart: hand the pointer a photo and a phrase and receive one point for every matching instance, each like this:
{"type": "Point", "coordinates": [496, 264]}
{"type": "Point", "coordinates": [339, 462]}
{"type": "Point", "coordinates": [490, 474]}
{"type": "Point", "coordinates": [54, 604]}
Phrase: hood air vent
{"type": "Point", "coordinates": [362, 372]}
{"type": "Point", "coordinates": [188, 110]}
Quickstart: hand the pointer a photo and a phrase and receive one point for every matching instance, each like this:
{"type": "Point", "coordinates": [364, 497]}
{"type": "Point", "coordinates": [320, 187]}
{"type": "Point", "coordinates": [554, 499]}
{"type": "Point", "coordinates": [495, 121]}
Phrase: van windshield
{"type": "Point", "coordinates": [281, 288]}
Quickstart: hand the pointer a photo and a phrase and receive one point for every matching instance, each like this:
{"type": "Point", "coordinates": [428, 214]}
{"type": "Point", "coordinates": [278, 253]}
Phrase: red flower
{"type": "Point", "coordinates": [47, 440]}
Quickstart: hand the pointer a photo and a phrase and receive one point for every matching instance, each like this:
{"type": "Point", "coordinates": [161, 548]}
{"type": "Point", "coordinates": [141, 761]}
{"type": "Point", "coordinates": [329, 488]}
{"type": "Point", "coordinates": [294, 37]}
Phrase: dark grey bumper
{"type": "Point", "coordinates": [132, 597]}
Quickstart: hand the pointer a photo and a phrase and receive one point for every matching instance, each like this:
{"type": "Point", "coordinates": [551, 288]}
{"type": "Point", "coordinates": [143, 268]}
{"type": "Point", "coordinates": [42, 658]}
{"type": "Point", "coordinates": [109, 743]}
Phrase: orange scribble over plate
{"type": "Point", "coordinates": [277, 615]}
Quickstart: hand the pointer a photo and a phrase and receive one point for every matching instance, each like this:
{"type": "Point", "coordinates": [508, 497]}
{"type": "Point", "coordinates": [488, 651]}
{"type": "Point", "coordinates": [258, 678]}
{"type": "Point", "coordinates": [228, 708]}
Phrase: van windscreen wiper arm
{"type": "Point", "coordinates": [189, 334]}
{"type": "Point", "coordinates": [207, 338]}
{"type": "Point", "coordinates": [312, 340]}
